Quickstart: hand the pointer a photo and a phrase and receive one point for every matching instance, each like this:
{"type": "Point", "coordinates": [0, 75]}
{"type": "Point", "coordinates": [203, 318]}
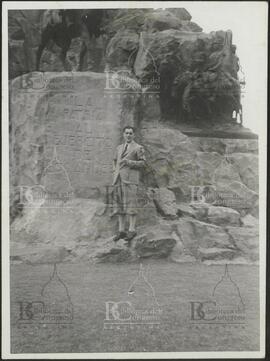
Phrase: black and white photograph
{"type": "Point", "coordinates": [134, 140]}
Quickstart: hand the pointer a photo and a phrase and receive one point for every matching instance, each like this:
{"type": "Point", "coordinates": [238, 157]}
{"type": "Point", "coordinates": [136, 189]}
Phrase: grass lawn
{"type": "Point", "coordinates": [175, 285]}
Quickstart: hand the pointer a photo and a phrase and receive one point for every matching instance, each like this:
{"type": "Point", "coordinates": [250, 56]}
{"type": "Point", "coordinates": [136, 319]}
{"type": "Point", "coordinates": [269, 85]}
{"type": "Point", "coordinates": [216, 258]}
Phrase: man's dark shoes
{"type": "Point", "coordinates": [130, 236]}
{"type": "Point", "coordinates": [119, 235]}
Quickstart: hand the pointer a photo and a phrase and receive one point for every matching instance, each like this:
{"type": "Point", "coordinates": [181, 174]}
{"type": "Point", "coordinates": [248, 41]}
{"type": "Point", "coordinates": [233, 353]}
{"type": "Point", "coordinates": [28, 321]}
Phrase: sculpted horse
{"type": "Point", "coordinates": [61, 26]}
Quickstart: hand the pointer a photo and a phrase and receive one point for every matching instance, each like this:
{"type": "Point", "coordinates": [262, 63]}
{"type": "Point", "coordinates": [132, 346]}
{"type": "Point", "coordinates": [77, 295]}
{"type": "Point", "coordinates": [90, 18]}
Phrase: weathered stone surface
{"type": "Point", "coordinates": [161, 20]}
{"type": "Point", "coordinates": [247, 165]}
{"type": "Point", "coordinates": [69, 222]}
{"type": "Point", "coordinates": [225, 174]}
{"type": "Point", "coordinates": [234, 195]}
{"type": "Point", "coordinates": [165, 202]}
{"type": "Point", "coordinates": [209, 144]}
{"type": "Point", "coordinates": [82, 229]}
{"type": "Point", "coordinates": [127, 19]}
{"type": "Point", "coordinates": [216, 253]}
{"type": "Point", "coordinates": [187, 62]}
{"type": "Point", "coordinates": [71, 230]}
{"type": "Point", "coordinates": [165, 35]}
{"type": "Point", "coordinates": [64, 133]}
{"type": "Point", "coordinates": [114, 255]}
{"type": "Point", "coordinates": [207, 165]}
{"type": "Point", "coordinates": [184, 209]}
{"type": "Point", "coordinates": [51, 58]}
{"type": "Point", "coordinates": [254, 211]}
{"type": "Point", "coordinates": [241, 146]}
{"type": "Point", "coordinates": [24, 37]}
{"type": "Point", "coordinates": [246, 240]}
{"type": "Point", "coordinates": [179, 163]}
{"type": "Point", "coordinates": [191, 26]}
{"type": "Point", "coordinates": [214, 214]}
{"type": "Point", "coordinates": [148, 214]}
{"type": "Point", "coordinates": [250, 221]}
{"type": "Point", "coordinates": [183, 258]}
{"type": "Point", "coordinates": [171, 157]}
{"type": "Point", "coordinates": [154, 245]}
{"type": "Point", "coordinates": [237, 260]}
{"type": "Point", "coordinates": [68, 121]}
{"type": "Point", "coordinates": [42, 255]}
{"type": "Point", "coordinates": [178, 253]}
{"type": "Point", "coordinates": [200, 210]}
{"type": "Point", "coordinates": [25, 33]}
{"type": "Point", "coordinates": [180, 13]}
{"type": "Point", "coordinates": [223, 216]}
{"type": "Point", "coordinates": [225, 146]}
{"type": "Point", "coordinates": [195, 234]}
{"type": "Point", "coordinates": [122, 50]}
{"type": "Point", "coordinates": [126, 24]}
{"type": "Point", "coordinates": [237, 196]}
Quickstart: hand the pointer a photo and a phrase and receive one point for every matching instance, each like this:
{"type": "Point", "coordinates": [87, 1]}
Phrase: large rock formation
{"type": "Point", "coordinates": [64, 131]}
{"type": "Point", "coordinates": [198, 199]}
{"type": "Point", "coordinates": [196, 72]}
{"type": "Point", "coordinates": [180, 162]}
{"type": "Point", "coordinates": [196, 202]}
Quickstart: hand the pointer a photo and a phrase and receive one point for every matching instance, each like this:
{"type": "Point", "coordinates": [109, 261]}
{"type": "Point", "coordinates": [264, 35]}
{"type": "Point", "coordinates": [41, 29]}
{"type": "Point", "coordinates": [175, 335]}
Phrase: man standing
{"type": "Point", "coordinates": [128, 161]}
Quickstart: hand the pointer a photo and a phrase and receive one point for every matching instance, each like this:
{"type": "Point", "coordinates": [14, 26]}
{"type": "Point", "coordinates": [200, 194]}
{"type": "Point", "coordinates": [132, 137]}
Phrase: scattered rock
{"type": "Point", "coordinates": [254, 211]}
{"type": "Point", "coordinates": [180, 13]}
{"type": "Point", "coordinates": [236, 260]}
{"type": "Point", "coordinates": [114, 255]}
{"type": "Point", "coordinates": [24, 37]}
{"type": "Point", "coordinates": [191, 26]}
{"type": "Point", "coordinates": [80, 227]}
{"type": "Point", "coordinates": [154, 245]}
{"type": "Point", "coordinates": [241, 146]}
{"type": "Point", "coordinates": [223, 216]}
{"type": "Point", "coordinates": [73, 226]}
{"type": "Point", "coordinates": [247, 165]}
{"type": "Point", "coordinates": [165, 202]}
{"type": "Point", "coordinates": [42, 255]}
{"type": "Point", "coordinates": [184, 209]}
{"type": "Point", "coordinates": [250, 221]}
{"type": "Point", "coordinates": [207, 165]}
{"type": "Point", "coordinates": [161, 20]}
{"type": "Point", "coordinates": [195, 234]}
{"type": "Point", "coordinates": [200, 210]}
{"type": "Point", "coordinates": [38, 123]}
{"type": "Point", "coordinates": [210, 145]}
{"type": "Point", "coordinates": [127, 19]}
{"type": "Point", "coordinates": [178, 250]}
{"type": "Point", "coordinates": [237, 196]}
{"type": "Point", "coordinates": [122, 50]}
{"type": "Point", "coordinates": [225, 173]}
{"type": "Point", "coordinates": [179, 166]}
{"type": "Point", "coordinates": [246, 240]}
{"type": "Point", "coordinates": [183, 258]}
{"type": "Point", "coordinates": [216, 253]}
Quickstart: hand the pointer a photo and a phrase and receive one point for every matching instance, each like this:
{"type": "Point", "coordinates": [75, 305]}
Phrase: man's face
{"type": "Point", "coordinates": [128, 135]}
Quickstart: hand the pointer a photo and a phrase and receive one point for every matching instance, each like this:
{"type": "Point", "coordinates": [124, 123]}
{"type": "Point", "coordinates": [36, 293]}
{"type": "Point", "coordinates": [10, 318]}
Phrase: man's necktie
{"type": "Point", "coordinates": [124, 151]}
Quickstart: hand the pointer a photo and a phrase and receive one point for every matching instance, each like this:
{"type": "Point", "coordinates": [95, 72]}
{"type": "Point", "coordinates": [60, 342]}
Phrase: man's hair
{"type": "Point", "coordinates": [128, 127]}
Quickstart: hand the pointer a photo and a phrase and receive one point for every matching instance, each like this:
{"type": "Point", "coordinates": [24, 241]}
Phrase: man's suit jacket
{"type": "Point", "coordinates": [135, 157]}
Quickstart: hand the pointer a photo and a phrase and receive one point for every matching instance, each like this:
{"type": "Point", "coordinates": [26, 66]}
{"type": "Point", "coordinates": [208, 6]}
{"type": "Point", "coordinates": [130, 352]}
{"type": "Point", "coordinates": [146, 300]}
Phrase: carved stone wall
{"type": "Point", "coordinates": [71, 121]}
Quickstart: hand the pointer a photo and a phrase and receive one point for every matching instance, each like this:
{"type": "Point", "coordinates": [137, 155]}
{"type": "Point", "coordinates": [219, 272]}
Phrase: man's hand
{"type": "Point", "coordinates": [123, 162]}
